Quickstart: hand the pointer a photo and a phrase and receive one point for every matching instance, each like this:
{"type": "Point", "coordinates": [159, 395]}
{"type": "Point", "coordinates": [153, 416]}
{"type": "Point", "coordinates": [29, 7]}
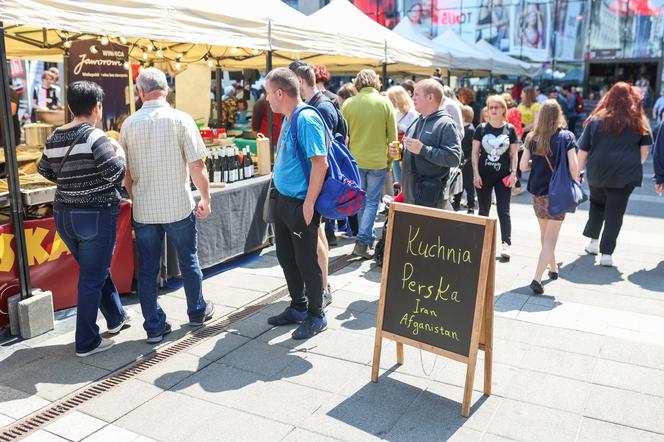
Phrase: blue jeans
{"type": "Point", "coordinates": [149, 243]}
{"type": "Point", "coordinates": [89, 233]}
{"type": "Point", "coordinates": [372, 183]}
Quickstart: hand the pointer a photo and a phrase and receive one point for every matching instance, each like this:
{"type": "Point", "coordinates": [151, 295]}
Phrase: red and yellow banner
{"type": "Point", "coordinates": [52, 267]}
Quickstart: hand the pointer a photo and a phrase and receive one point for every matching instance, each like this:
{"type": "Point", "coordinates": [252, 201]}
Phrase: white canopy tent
{"type": "Point", "coordinates": [237, 34]}
{"type": "Point", "coordinates": [497, 66]}
{"type": "Point", "coordinates": [460, 59]}
{"type": "Point", "coordinates": [349, 23]}
{"type": "Point", "coordinates": [521, 67]}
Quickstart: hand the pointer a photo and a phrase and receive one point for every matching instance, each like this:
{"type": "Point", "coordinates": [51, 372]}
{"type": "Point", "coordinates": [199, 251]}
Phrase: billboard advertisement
{"type": "Point", "coordinates": [536, 29]}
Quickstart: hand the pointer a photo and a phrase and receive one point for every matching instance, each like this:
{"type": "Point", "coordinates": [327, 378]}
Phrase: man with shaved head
{"type": "Point", "coordinates": [431, 147]}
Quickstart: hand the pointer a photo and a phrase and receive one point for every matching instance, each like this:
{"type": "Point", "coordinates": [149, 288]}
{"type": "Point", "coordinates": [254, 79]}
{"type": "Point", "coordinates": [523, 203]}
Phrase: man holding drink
{"type": "Point", "coordinates": [431, 147]}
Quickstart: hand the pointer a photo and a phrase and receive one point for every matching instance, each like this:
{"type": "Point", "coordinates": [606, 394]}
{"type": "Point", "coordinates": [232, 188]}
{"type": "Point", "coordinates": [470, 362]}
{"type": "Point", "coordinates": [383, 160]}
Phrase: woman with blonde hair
{"type": "Point", "coordinates": [545, 146]}
{"type": "Point", "coordinates": [615, 143]}
{"type": "Point", "coordinates": [405, 115]}
{"type": "Point", "coordinates": [495, 153]}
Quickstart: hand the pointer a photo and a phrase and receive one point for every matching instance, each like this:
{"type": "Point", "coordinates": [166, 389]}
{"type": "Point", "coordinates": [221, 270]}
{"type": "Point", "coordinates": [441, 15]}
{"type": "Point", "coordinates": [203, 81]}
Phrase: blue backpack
{"type": "Point", "coordinates": [341, 195]}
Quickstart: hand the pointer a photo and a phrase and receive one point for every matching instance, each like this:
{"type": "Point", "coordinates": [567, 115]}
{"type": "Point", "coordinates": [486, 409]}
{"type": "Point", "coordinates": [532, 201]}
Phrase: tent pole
{"type": "Point", "coordinates": [217, 95]}
{"type": "Point", "coordinates": [11, 166]}
{"type": "Point", "coordinates": [65, 89]}
{"type": "Point", "coordinates": [132, 96]}
{"type": "Point", "coordinates": [385, 79]}
{"type": "Point", "coordinates": [449, 78]}
{"type": "Point", "coordinates": [270, 116]}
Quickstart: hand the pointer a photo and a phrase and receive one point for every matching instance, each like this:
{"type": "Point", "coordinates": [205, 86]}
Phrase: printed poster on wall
{"type": "Point", "coordinates": [531, 29]}
{"type": "Point", "coordinates": [104, 65]}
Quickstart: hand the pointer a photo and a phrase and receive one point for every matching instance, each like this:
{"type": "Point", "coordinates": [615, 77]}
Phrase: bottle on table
{"type": "Point", "coordinates": [217, 168]}
{"type": "Point", "coordinates": [248, 164]}
{"type": "Point", "coordinates": [238, 162]}
{"type": "Point", "coordinates": [232, 169]}
{"type": "Point", "coordinates": [224, 167]}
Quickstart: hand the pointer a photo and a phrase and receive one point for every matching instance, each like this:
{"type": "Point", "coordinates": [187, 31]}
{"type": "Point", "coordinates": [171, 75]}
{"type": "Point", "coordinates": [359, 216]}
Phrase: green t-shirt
{"type": "Point", "coordinates": [371, 127]}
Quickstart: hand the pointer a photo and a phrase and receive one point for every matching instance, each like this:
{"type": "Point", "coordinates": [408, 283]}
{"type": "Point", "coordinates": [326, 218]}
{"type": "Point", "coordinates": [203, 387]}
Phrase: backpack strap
{"type": "Point", "coordinates": [296, 142]}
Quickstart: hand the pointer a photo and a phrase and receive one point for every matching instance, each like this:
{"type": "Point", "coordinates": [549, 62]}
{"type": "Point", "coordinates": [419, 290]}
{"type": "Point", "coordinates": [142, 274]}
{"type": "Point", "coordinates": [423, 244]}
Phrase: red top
{"type": "Point", "coordinates": [514, 118]}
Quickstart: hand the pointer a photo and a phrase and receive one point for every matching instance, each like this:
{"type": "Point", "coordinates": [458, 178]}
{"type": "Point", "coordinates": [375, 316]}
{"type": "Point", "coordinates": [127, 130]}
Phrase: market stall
{"type": "Point", "coordinates": [52, 267]}
{"type": "Point", "coordinates": [175, 37]}
{"type": "Point", "coordinates": [234, 227]}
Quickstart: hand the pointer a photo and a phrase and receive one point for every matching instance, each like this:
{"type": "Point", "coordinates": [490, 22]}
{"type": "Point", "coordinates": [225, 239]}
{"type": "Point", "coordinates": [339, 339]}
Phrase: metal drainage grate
{"type": "Point", "coordinates": [24, 427]}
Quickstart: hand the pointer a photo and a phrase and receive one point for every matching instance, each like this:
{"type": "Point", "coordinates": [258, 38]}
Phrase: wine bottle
{"type": "Point", "coordinates": [225, 167]}
{"type": "Point", "coordinates": [209, 164]}
{"type": "Point", "coordinates": [248, 164]}
{"type": "Point", "coordinates": [233, 169]}
{"type": "Point", "coordinates": [217, 168]}
{"type": "Point", "coordinates": [240, 167]}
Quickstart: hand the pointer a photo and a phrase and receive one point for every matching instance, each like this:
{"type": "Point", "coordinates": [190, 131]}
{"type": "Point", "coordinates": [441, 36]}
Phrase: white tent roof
{"type": "Point", "coordinates": [459, 59]}
{"type": "Point", "coordinates": [521, 67]}
{"type": "Point", "coordinates": [235, 32]}
{"type": "Point", "coordinates": [348, 22]}
{"type": "Point", "coordinates": [452, 40]}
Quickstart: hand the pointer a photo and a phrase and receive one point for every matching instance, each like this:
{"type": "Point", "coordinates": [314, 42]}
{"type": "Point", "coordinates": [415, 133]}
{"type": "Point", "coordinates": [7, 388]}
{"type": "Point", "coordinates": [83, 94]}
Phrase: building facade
{"type": "Point", "coordinates": [589, 42]}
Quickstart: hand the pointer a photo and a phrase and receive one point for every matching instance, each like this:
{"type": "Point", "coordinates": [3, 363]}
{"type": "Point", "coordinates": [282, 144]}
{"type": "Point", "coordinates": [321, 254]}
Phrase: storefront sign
{"type": "Point", "coordinates": [52, 267]}
{"type": "Point", "coordinates": [105, 65]}
{"type": "Point", "coordinates": [437, 287]}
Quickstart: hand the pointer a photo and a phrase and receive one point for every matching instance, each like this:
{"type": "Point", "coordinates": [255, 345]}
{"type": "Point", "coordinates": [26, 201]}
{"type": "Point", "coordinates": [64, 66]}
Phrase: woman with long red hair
{"type": "Point", "coordinates": [614, 145]}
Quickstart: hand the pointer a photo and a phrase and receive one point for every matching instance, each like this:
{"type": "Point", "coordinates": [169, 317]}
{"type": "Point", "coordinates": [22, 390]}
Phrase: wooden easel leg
{"type": "Point", "coordinates": [376, 356]}
{"type": "Point", "coordinates": [468, 389]}
{"type": "Point", "coordinates": [399, 353]}
{"type": "Point", "coordinates": [488, 326]}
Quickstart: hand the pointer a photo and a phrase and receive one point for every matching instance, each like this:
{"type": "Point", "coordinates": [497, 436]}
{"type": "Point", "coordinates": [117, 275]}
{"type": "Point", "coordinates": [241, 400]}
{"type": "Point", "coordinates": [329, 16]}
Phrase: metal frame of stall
{"type": "Point", "coordinates": [11, 164]}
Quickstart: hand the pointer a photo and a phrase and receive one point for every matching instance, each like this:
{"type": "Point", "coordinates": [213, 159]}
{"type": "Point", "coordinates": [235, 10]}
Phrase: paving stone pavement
{"type": "Point", "coordinates": [584, 362]}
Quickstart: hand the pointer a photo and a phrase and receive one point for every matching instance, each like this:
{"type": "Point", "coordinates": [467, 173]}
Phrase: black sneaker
{"type": "Point", "coordinates": [288, 316]}
{"type": "Point", "coordinates": [553, 275]}
{"type": "Point", "coordinates": [327, 296]}
{"type": "Point", "coordinates": [310, 327]}
{"type": "Point", "coordinates": [158, 338]}
{"type": "Point", "coordinates": [536, 287]}
{"type": "Point", "coordinates": [209, 312]}
{"type": "Point", "coordinates": [331, 239]}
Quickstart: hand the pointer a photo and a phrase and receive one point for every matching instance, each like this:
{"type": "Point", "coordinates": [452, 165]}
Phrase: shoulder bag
{"type": "Point", "coordinates": [565, 194]}
{"type": "Point", "coordinates": [71, 147]}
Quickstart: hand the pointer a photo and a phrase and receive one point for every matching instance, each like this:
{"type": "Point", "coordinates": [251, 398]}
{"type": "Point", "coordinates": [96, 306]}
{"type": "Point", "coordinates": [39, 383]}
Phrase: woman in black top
{"type": "Point", "coordinates": [495, 154]}
{"type": "Point", "coordinates": [544, 146]}
{"type": "Point", "coordinates": [614, 145]}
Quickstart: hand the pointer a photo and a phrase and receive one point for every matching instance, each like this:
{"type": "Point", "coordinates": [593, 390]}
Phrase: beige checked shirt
{"type": "Point", "coordinates": [159, 142]}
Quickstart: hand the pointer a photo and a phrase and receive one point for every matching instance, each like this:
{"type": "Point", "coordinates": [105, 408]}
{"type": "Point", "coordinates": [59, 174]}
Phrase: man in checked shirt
{"type": "Point", "coordinates": [164, 148]}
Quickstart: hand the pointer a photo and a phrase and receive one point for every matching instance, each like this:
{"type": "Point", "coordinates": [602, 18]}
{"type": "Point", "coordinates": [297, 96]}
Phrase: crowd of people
{"type": "Point", "coordinates": [434, 147]}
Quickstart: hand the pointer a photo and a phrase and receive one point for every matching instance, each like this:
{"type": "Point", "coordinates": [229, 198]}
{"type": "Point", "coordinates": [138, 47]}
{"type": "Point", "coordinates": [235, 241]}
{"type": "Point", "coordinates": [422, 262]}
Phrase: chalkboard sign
{"type": "Point", "coordinates": [438, 271]}
{"type": "Point", "coordinates": [432, 284]}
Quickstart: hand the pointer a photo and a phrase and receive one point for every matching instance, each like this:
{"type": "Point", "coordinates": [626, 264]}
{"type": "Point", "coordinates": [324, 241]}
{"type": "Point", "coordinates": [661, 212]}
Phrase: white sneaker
{"type": "Point", "coordinates": [606, 261]}
{"type": "Point", "coordinates": [104, 345]}
{"type": "Point", "coordinates": [130, 314]}
{"type": "Point", "coordinates": [505, 251]}
{"type": "Point", "coordinates": [593, 247]}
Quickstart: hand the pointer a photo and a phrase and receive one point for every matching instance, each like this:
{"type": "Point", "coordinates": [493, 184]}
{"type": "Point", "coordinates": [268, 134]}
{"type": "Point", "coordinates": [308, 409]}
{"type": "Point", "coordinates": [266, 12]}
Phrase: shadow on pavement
{"type": "Point", "coordinates": [652, 279]}
{"type": "Point", "coordinates": [247, 365]}
{"type": "Point", "coordinates": [395, 410]}
{"type": "Point", "coordinates": [54, 371]}
{"type": "Point", "coordinates": [354, 322]}
{"type": "Point", "coordinates": [584, 271]}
